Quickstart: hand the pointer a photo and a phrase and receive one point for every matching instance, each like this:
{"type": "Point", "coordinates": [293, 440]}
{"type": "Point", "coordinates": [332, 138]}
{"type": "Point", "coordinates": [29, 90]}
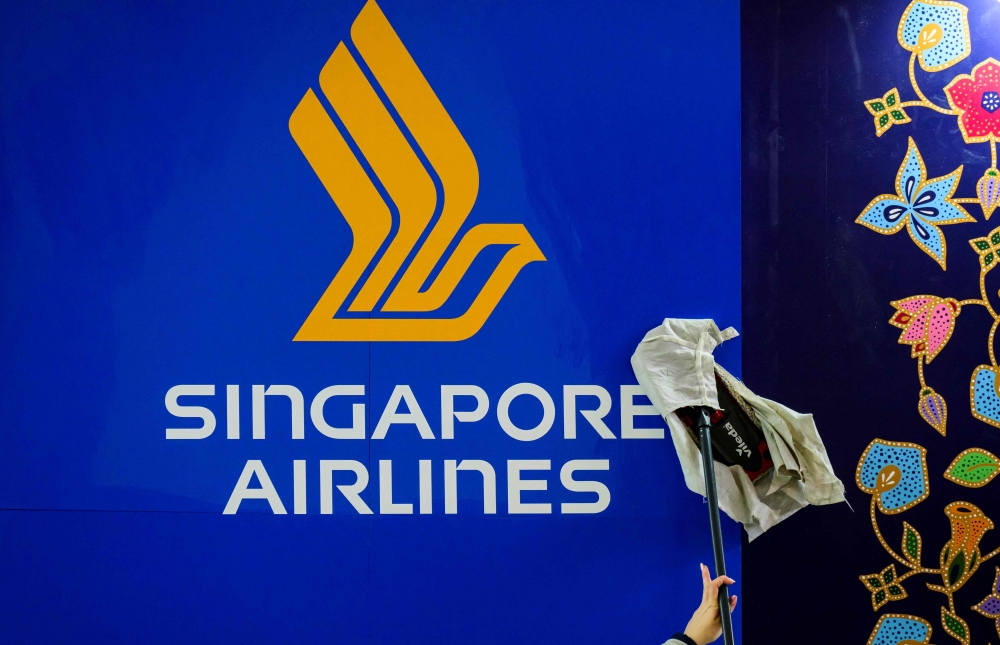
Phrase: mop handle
{"type": "Point", "coordinates": [704, 427]}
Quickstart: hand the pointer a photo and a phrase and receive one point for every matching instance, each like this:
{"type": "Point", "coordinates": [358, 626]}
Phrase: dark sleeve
{"type": "Point", "coordinates": [681, 639]}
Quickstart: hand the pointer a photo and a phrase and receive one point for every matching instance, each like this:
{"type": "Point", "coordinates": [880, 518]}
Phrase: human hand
{"type": "Point", "coordinates": [705, 625]}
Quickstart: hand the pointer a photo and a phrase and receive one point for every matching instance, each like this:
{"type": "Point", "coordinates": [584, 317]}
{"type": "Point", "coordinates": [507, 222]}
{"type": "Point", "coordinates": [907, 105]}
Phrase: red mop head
{"type": "Point", "coordinates": [737, 439]}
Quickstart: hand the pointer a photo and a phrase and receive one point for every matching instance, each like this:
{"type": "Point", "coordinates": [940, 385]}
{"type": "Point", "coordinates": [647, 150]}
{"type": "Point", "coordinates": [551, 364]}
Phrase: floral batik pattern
{"type": "Point", "coordinates": [973, 468]}
{"type": "Point", "coordinates": [936, 32]}
{"type": "Point", "coordinates": [894, 473]}
{"type": "Point", "coordinates": [976, 99]}
{"type": "Point", "coordinates": [920, 204]}
{"type": "Point", "coordinates": [896, 629]}
{"type": "Point", "coordinates": [887, 111]}
{"type": "Point", "coordinates": [990, 605]}
{"type": "Point", "coordinates": [927, 323]}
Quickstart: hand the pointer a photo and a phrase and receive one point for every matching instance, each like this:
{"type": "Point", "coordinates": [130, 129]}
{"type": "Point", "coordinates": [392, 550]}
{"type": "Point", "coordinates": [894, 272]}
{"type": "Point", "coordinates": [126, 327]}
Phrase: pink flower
{"type": "Point", "coordinates": [927, 323]}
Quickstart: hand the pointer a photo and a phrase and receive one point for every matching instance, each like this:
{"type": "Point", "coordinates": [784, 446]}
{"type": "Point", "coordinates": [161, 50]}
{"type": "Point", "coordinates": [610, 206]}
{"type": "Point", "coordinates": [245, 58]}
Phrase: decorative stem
{"type": "Point", "coordinates": [920, 372]}
{"type": "Point", "coordinates": [898, 558]}
{"type": "Point", "coordinates": [915, 568]}
{"type": "Point", "coordinates": [971, 301]}
{"type": "Point", "coordinates": [966, 200]}
{"type": "Point", "coordinates": [924, 101]}
{"type": "Point", "coordinates": [989, 555]}
{"type": "Point", "coordinates": [986, 302]}
{"type": "Point", "coordinates": [993, 331]}
{"type": "Point", "coordinates": [993, 153]}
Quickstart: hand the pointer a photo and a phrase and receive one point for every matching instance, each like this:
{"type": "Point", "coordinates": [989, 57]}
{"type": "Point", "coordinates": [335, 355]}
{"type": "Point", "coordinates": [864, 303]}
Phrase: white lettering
{"type": "Point", "coordinates": [515, 485]}
{"type": "Point", "coordinates": [548, 411]}
{"type": "Point", "coordinates": [630, 410]}
{"type": "Point", "coordinates": [594, 417]}
{"type": "Point", "coordinates": [426, 498]}
{"type": "Point", "coordinates": [577, 486]}
{"type": "Point", "coordinates": [298, 408]}
{"type": "Point", "coordinates": [232, 412]}
{"type": "Point", "coordinates": [392, 415]}
{"type": "Point", "coordinates": [451, 484]}
{"type": "Point", "coordinates": [299, 473]}
{"type": "Point", "coordinates": [351, 492]}
{"type": "Point", "coordinates": [266, 490]}
{"type": "Point", "coordinates": [449, 414]}
{"type": "Point", "coordinates": [190, 411]}
{"type": "Point", "coordinates": [357, 429]}
{"type": "Point", "coordinates": [385, 504]}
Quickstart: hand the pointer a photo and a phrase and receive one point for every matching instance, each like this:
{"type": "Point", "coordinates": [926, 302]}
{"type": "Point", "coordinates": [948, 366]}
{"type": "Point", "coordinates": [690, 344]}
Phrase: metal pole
{"type": "Point", "coordinates": [704, 427]}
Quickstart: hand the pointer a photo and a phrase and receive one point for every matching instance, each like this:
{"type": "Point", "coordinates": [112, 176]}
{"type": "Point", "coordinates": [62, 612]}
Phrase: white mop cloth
{"type": "Point", "coordinates": [676, 369]}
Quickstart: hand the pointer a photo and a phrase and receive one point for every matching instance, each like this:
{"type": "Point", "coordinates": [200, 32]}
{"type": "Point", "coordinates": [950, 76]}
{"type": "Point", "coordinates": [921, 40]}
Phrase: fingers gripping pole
{"type": "Point", "coordinates": [704, 434]}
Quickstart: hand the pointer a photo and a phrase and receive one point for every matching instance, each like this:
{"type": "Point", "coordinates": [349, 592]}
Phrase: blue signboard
{"type": "Point", "coordinates": [316, 317]}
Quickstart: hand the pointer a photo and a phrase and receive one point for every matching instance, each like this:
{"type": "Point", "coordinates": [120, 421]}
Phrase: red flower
{"type": "Point", "coordinates": [976, 98]}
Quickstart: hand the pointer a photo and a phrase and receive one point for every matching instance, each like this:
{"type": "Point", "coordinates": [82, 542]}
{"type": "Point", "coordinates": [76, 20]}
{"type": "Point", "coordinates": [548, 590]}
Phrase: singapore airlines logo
{"type": "Point", "coordinates": [377, 313]}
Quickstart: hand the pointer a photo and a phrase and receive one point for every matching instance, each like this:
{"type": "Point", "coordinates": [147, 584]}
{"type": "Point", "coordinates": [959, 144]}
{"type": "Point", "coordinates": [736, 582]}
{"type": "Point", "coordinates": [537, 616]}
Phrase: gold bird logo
{"type": "Point", "coordinates": [410, 188]}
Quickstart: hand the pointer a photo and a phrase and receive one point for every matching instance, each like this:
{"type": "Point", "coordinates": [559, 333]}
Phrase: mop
{"type": "Point", "coordinates": [757, 460]}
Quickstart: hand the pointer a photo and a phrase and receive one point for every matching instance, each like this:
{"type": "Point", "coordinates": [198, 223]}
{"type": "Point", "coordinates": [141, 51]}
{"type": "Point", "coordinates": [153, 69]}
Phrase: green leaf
{"type": "Point", "coordinates": [877, 106]}
{"type": "Point", "coordinates": [874, 581]}
{"type": "Point", "coordinates": [879, 596]}
{"type": "Point", "coordinates": [888, 575]}
{"type": "Point", "coordinates": [974, 467]}
{"type": "Point", "coordinates": [890, 100]}
{"type": "Point", "coordinates": [882, 120]}
{"type": "Point", "coordinates": [911, 543]}
{"type": "Point", "coordinates": [995, 238]}
{"type": "Point", "coordinates": [957, 568]}
{"type": "Point", "coordinates": [898, 115]}
{"type": "Point", "coordinates": [955, 626]}
{"type": "Point", "coordinates": [982, 245]}
{"type": "Point", "coordinates": [895, 590]}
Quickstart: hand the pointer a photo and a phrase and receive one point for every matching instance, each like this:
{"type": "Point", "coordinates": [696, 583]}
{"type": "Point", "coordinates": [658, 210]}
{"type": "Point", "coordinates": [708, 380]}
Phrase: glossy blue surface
{"type": "Point", "coordinates": [817, 294]}
{"type": "Point", "coordinates": [159, 226]}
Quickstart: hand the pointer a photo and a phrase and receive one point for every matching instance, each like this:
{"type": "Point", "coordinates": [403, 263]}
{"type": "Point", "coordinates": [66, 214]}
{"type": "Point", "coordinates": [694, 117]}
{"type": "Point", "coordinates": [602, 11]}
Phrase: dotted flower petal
{"type": "Point", "coordinates": [886, 214]}
{"type": "Point", "coordinates": [988, 248]}
{"type": "Point", "coordinates": [884, 587]}
{"type": "Point", "coordinates": [920, 204]}
{"type": "Point", "coordinates": [988, 191]}
{"type": "Point", "coordinates": [896, 472]}
{"type": "Point", "coordinates": [893, 629]}
{"type": "Point", "coordinates": [912, 172]}
{"type": "Point", "coordinates": [932, 202]}
{"type": "Point", "coordinates": [887, 111]}
{"type": "Point", "coordinates": [937, 31]}
{"type": "Point", "coordinates": [927, 323]}
{"type": "Point", "coordinates": [928, 237]}
{"type": "Point", "coordinates": [976, 98]}
{"type": "Point", "coordinates": [985, 400]}
{"type": "Point", "coordinates": [990, 605]}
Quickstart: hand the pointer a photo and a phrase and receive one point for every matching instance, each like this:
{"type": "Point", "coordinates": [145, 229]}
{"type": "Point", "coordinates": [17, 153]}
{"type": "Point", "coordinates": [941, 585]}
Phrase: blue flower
{"type": "Point", "coordinates": [893, 629]}
{"type": "Point", "coordinates": [919, 204]}
{"type": "Point", "coordinates": [937, 31]}
{"type": "Point", "coordinates": [895, 472]}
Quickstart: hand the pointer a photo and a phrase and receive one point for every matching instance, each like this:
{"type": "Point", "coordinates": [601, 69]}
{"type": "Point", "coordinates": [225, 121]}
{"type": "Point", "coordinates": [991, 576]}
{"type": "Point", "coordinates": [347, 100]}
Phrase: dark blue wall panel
{"type": "Point", "coordinates": [816, 303]}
